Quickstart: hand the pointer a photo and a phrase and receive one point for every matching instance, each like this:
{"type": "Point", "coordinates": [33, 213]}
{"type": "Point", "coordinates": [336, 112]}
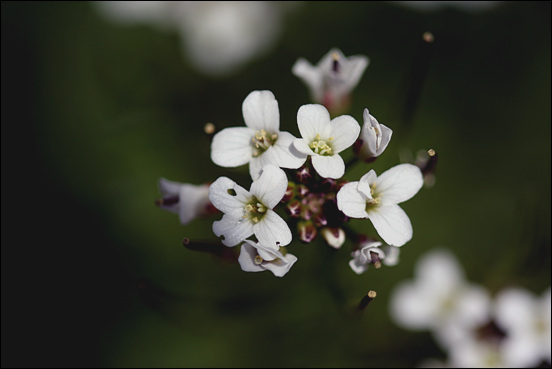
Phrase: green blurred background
{"type": "Point", "coordinates": [94, 113]}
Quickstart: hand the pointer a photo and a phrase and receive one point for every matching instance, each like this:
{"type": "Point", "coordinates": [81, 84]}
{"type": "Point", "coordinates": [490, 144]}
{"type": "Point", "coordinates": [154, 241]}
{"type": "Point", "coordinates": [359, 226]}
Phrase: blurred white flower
{"type": "Point", "coordinates": [323, 139]}
{"type": "Point", "coordinates": [250, 212]}
{"type": "Point", "coordinates": [331, 81]}
{"type": "Point", "coordinates": [259, 143]}
{"type": "Point", "coordinates": [526, 319]}
{"type": "Point", "coordinates": [374, 138]}
{"type": "Point", "coordinates": [218, 37]}
{"type": "Point", "coordinates": [470, 6]}
{"type": "Point", "coordinates": [254, 257]}
{"type": "Point", "coordinates": [187, 200]}
{"type": "Point", "coordinates": [377, 199]}
{"type": "Point", "coordinates": [439, 299]}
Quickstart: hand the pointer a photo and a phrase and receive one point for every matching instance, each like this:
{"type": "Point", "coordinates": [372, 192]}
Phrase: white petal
{"type": "Point", "coordinates": [386, 134]}
{"type": "Point", "coordinates": [221, 195]}
{"type": "Point", "coordinates": [260, 111]}
{"type": "Point", "coordinates": [344, 130]}
{"type": "Point", "coordinates": [357, 267]}
{"type": "Point", "coordinates": [233, 229]}
{"type": "Point", "coordinates": [192, 201]}
{"type": "Point", "coordinates": [256, 166]}
{"type": "Point", "coordinates": [409, 307]}
{"type": "Point", "coordinates": [272, 231]}
{"type": "Point", "coordinates": [440, 271]}
{"type": "Point", "coordinates": [392, 224]}
{"type": "Point", "coordinates": [301, 146]}
{"type": "Point", "coordinates": [399, 183]}
{"type": "Point", "coordinates": [169, 188]}
{"type": "Point", "coordinates": [232, 147]}
{"type": "Point", "coordinates": [514, 308]}
{"type": "Point", "coordinates": [271, 186]}
{"type": "Point", "coordinates": [365, 182]}
{"type": "Point", "coordinates": [329, 166]}
{"type": "Point", "coordinates": [284, 153]}
{"type": "Point", "coordinates": [311, 76]}
{"type": "Point", "coordinates": [247, 259]}
{"type": "Point", "coordinates": [355, 68]}
{"type": "Point", "coordinates": [351, 202]}
{"type": "Point", "coordinates": [313, 119]}
{"type": "Point", "coordinates": [281, 266]}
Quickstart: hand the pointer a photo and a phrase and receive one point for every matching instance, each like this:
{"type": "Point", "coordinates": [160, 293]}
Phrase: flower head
{"type": "Point", "coordinates": [377, 199]}
{"type": "Point", "coordinates": [184, 199]}
{"type": "Point", "coordinates": [260, 142]}
{"type": "Point", "coordinates": [323, 139]}
{"type": "Point", "coordinates": [334, 77]}
{"type": "Point", "coordinates": [250, 212]}
{"type": "Point", "coordinates": [526, 319]}
{"type": "Point", "coordinates": [440, 299]}
{"type": "Point", "coordinates": [374, 138]}
{"type": "Point", "coordinates": [254, 257]}
{"type": "Point", "coordinates": [369, 253]}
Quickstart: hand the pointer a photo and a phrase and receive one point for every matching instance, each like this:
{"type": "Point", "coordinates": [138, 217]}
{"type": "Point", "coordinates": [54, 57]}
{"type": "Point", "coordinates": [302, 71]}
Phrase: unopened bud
{"type": "Point", "coordinates": [307, 231]}
{"type": "Point", "coordinates": [327, 185]}
{"type": "Point", "coordinates": [289, 192]}
{"type": "Point", "coordinates": [294, 208]}
{"type": "Point", "coordinates": [320, 219]}
{"type": "Point", "coordinates": [302, 190]}
{"type": "Point", "coordinates": [335, 237]}
{"type": "Point", "coordinates": [304, 175]}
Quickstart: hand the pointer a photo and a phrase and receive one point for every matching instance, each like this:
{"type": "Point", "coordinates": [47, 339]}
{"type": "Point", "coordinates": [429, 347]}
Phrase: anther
{"type": "Point", "coordinates": [368, 298]}
{"type": "Point", "coordinates": [258, 259]}
{"type": "Point", "coordinates": [335, 62]}
{"type": "Point", "coordinates": [209, 128]}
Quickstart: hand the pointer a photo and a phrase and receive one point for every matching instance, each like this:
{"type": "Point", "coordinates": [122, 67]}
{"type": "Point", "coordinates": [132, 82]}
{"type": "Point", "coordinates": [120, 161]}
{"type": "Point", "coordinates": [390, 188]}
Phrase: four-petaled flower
{"type": "Point", "coordinates": [334, 77]}
{"type": "Point", "coordinates": [250, 212]}
{"type": "Point", "coordinates": [254, 257]}
{"type": "Point", "coordinates": [187, 200]}
{"type": "Point", "coordinates": [374, 138]}
{"type": "Point", "coordinates": [323, 139]}
{"type": "Point", "coordinates": [259, 143]}
{"type": "Point", "coordinates": [377, 199]}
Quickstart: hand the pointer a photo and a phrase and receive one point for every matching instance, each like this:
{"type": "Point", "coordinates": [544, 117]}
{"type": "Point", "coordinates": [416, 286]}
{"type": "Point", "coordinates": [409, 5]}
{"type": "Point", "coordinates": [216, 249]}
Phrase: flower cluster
{"type": "Point", "coordinates": [298, 188]}
{"type": "Point", "coordinates": [511, 330]}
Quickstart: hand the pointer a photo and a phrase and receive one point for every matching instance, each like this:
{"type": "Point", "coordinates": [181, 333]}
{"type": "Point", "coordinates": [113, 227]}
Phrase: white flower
{"type": "Point", "coordinates": [376, 198]}
{"type": "Point", "coordinates": [439, 299]}
{"type": "Point", "coordinates": [526, 320]}
{"type": "Point", "coordinates": [254, 257]}
{"type": "Point", "coordinates": [333, 78]}
{"type": "Point", "coordinates": [259, 143]}
{"type": "Point", "coordinates": [374, 136]}
{"type": "Point", "coordinates": [369, 253]}
{"type": "Point", "coordinates": [218, 37]}
{"type": "Point", "coordinates": [250, 212]}
{"type": "Point", "coordinates": [184, 199]}
{"type": "Point", "coordinates": [323, 139]}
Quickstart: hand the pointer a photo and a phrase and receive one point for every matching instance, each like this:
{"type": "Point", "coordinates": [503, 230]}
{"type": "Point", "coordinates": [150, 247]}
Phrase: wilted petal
{"type": "Point", "coordinates": [247, 259]}
{"type": "Point", "coordinates": [279, 267]}
{"type": "Point", "coordinates": [232, 147]}
{"type": "Point", "coordinates": [392, 224]}
{"type": "Point", "coordinates": [260, 111]}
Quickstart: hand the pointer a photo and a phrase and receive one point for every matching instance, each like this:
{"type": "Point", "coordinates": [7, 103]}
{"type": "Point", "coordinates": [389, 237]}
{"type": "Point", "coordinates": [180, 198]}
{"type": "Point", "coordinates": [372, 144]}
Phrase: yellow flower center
{"type": "Point", "coordinates": [254, 210]}
{"type": "Point", "coordinates": [262, 141]}
{"type": "Point", "coordinates": [321, 147]}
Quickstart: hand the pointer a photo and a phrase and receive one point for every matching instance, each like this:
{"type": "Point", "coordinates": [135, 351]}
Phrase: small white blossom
{"type": "Point", "coordinates": [369, 253]}
{"type": "Point", "coordinates": [374, 136]}
{"type": "Point", "coordinates": [323, 139]}
{"type": "Point", "coordinates": [331, 81]}
{"type": "Point", "coordinates": [250, 212]}
{"type": "Point", "coordinates": [259, 143]}
{"type": "Point", "coordinates": [376, 198]}
{"type": "Point", "coordinates": [187, 200]}
{"type": "Point", "coordinates": [526, 320]}
{"type": "Point", "coordinates": [254, 257]}
{"type": "Point", "coordinates": [440, 299]}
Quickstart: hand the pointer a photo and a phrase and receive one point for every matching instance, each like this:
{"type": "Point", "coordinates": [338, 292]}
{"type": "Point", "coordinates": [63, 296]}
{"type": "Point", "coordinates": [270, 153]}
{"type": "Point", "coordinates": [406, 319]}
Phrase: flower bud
{"type": "Point", "coordinates": [294, 208]}
{"type": "Point", "coordinates": [335, 237]}
{"type": "Point", "coordinates": [304, 174]}
{"type": "Point", "coordinates": [307, 231]}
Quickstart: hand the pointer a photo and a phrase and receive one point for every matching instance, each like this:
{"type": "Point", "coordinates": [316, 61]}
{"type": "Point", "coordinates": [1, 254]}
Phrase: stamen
{"type": "Point", "coordinates": [262, 141]}
{"type": "Point", "coordinates": [371, 295]}
{"type": "Point", "coordinates": [335, 62]}
{"type": "Point", "coordinates": [320, 147]}
{"type": "Point", "coordinates": [258, 259]}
